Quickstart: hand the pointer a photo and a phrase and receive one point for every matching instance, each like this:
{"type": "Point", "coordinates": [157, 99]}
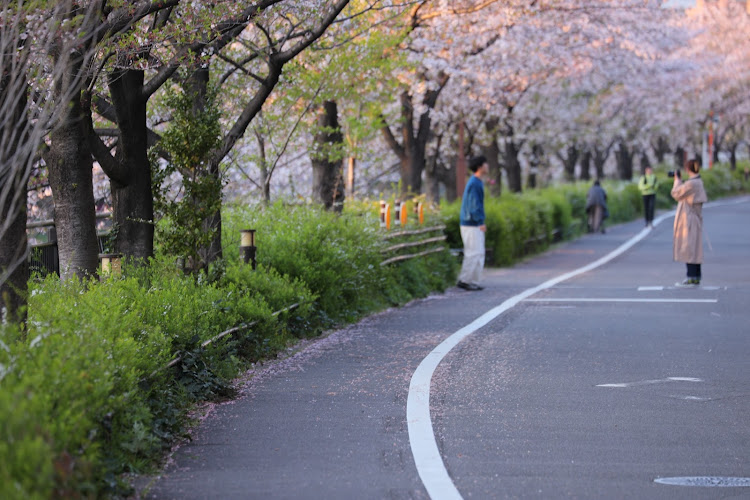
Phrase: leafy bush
{"type": "Point", "coordinates": [103, 377]}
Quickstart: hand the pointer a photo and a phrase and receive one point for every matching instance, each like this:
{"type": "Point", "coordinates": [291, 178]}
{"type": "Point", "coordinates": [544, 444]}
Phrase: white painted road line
{"type": "Point", "coordinates": [650, 382]}
{"type": "Point", "coordinates": [583, 299]}
{"type": "Point", "coordinates": [424, 448]}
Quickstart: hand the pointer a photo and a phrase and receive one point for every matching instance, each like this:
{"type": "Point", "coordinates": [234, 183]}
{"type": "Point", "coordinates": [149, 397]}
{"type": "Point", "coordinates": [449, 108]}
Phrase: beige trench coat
{"type": "Point", "coordinates": [688, 221]}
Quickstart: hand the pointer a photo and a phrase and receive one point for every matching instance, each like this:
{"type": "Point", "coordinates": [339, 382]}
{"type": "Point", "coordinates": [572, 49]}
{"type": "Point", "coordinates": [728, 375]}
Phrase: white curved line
{"type": "Point", "coordinates": [424, 448]}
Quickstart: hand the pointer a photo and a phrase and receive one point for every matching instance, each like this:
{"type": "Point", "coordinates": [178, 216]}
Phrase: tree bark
{"type": "Point", "coordinates": [624, 161]}
{"type": "Point", "coordinates": [512, 164]}
{"type": "Point", "coordinates": [130, 174]}
{"type": "Point", "coordinates": [491, 151]}
{"type": "Point", "coordinates": [569, 162]}
{"type": "Point", "coordinates": [14, 176]}
{"type": "Point", "coordinates": [645, 162]}
{"type": "Point", "coordinates": [328, 179]}
{"type": "Point", "coordinates": [679, 157]}
{"type": "Point", "coordinates": [198, 84]}
{"type": "Point", "coordinates": [412, 151]}
{"type": "Point", "coordinates": [660, 148]}
{"type": "Point", "coordinates": [733, 155]}
{"type": "Point", "coordinates": [535, 163]}
{"type": "Point", "coordinates": [586, 165]}
{"type": "Point", "coordinates": [69, 164]}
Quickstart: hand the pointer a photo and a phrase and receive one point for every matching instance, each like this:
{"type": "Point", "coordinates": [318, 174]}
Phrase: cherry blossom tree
{"type": "Point", "coordinates": [39, 41]}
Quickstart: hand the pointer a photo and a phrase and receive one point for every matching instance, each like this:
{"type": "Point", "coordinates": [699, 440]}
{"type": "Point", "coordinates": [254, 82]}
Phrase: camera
{"type": "Point", "coordinates": [673, 173]}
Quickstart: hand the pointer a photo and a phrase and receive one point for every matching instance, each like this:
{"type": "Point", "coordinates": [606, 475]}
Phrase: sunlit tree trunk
{"type": "Point", "coordinates": [328, 179]}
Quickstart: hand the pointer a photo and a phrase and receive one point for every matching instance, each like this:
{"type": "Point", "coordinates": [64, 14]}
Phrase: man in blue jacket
{"type": "Point", "coordinates": [473, 227]}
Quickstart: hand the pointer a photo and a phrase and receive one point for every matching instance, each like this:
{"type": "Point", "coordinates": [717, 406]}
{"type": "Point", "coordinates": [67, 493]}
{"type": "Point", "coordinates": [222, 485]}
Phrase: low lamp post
{"type": "Point", "coordinates": [111, 264]}
{"type": "Point", "coordinates": [247, 247]}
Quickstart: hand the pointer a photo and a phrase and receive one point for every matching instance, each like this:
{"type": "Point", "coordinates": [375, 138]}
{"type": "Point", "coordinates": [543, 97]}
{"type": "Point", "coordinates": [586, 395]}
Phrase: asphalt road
{"type": "Point", "coordinates": [594, 387]}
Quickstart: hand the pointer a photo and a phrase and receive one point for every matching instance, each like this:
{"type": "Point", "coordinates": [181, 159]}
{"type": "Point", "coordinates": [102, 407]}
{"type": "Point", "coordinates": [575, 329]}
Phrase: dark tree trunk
{"type": "Point", "coordinates": [733, 155]}
{"type": "Point", "coordinates": [14, 176]}
{"type": "Point", "coordinates": [212, 224]}
{"type": "Point", "coordinates": [680, 157]}
{"type": "Point", "coordinates": [600, 158]}
{"type": "Point", "coordinates": [132, 197]}
{"type": "Point", "coordinates": [512, 165]}
{"type": "Point", "coordinates": [412, 151]}
{"type": "Point", "coordinates": [569, 162]}
{"type": "Point", "coordinates": [535, 164]}
{"type": "Point", "coordinates": [13, 254]}
{"type": "Point", "coordinates": [624, 161]}
{"type": "Point", "coordinates": [432, 175]}
{"type": "Point", "coordinates": [660, 148]}
{"type": "Point", "coordinates": [645, 162]}
{"type": "Point", "coordinates": [586, 165]}
{"type": "Point", "coordinates": [69, 164]}
{"type": "Point", "coordinates": [328, 178]}
{"type": "Point", "coordinates": [492, 152]}
{"type": "Point", "coordinates": [717, 146]}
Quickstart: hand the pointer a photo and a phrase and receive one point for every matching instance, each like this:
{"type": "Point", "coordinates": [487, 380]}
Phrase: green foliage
{"type": "Point", "coordinates": [193, 133]}
{"type": "Point", "coordinates": [336, 256]}
{"type": "Point", "coordinates": [87, 392]}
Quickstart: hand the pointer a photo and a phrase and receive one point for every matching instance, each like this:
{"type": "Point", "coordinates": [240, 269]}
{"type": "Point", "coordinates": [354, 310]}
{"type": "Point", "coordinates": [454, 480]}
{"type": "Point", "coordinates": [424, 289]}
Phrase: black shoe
{"type": "Point", "coordinates": [469, 286]}
{"type": "Point", "coordinates": [690, 282]}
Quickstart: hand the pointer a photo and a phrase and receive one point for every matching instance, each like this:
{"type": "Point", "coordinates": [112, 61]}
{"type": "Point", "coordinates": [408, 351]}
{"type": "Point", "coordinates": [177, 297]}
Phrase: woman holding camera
{"type": "Point", "coordinates": [688, 221]}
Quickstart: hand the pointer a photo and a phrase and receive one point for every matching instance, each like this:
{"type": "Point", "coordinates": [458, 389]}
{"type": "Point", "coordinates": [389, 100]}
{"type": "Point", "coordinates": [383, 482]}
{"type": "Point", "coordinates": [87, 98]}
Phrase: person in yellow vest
{"type": "Point", "coordinates": [647, 185]}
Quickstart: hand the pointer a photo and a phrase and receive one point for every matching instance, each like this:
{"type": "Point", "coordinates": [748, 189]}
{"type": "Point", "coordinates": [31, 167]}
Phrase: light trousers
{"type": "Point", "coordinates": [471, 269]}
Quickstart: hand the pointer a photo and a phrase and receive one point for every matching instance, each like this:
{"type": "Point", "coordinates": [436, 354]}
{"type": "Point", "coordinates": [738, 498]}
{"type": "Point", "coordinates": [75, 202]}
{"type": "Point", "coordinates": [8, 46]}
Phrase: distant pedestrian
{"type": "Point", "coordinates": [688, 221]}
{"type": "Point", "coordinates": [596, 207]}
{"type": "Point", "coordinates": [473, 227]}
{"type": "Point", "coordinates": [647, 185]}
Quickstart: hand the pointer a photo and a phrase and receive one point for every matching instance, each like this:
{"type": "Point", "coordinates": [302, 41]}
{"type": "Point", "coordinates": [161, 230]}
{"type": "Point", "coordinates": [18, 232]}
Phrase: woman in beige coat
{"type": "Point", "coordinates": [688, 221]}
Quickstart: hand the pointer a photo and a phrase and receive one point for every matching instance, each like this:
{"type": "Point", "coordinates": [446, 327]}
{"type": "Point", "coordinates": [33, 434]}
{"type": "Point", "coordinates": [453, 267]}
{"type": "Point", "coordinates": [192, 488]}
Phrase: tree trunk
{"type": "Point", "coordinates": [492, 152]}
{"type": "Point", "coordinates": [733, 156]}
{"type": "Point", "coordinates": [512, 165]}
{"type": "Point", "coordinates": [212, 224]}
{"type": "Point", "coordinates": [624, 161]}
{"type": "Point", "coordinates": [600, 158]}
{"type": "Point", "coordinates": [432, 175]}
{"type": "Point", "coordinates": [412, 151]}
{"type": "Point", "coordinates": [535, 164]}
{"type": "Point", "coordinates": [14, 176]}
{"type": "Point", "coordinates": [680, 157]}
{"type": "Point", "coordinates": [13, 253]}
{"type": "Point", "coordinates": [660, 148]}
{"type": "Point", "coordinates": [130, 179]}
{"type": "Point", "coordinates": [328, 179]}
{"type": "Point", "coordinates": [69, 164]}
{"type": "Point", "coordinates": [569, 162]}
{"type": "Point", "coordinates": [586, 165]}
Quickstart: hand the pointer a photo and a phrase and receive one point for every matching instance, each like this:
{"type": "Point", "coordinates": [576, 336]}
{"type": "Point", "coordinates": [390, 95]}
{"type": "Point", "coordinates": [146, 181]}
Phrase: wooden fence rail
{"type": "Point", "coordinates": [412, 244]}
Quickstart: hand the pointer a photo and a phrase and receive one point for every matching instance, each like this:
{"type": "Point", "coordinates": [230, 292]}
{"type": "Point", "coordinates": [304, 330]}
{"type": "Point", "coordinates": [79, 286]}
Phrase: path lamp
{"type": "Point", "coordinates": [247, 247]}
{"type": "Point", "coordinates": [111, 264]}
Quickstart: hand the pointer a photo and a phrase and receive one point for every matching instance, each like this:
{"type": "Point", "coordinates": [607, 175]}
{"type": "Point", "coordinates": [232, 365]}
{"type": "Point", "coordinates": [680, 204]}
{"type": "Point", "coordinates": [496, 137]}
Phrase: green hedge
{"type": "Point", "coordinates": [85, 392]}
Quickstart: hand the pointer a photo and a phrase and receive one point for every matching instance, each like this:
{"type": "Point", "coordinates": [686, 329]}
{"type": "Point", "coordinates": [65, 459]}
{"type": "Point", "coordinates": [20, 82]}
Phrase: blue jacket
{"type": "Point", "coordinates": [472, 205]}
